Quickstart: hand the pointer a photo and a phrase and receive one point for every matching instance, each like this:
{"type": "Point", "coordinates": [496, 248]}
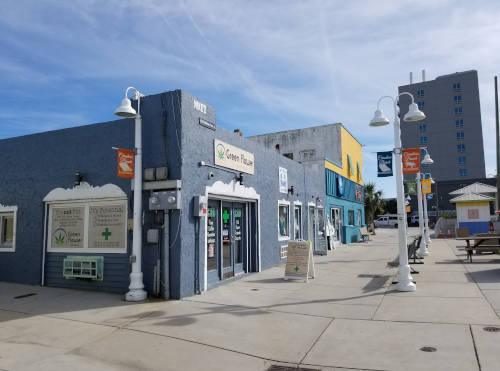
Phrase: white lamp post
{"type": "Point", "coordinates": [136, 288]}
{"type": "Point", "coordinates": [405, 280]}
{"type": "Point", "coordinates": [423, 250]}
{"type": "Point", "coordinates": [426, 215]}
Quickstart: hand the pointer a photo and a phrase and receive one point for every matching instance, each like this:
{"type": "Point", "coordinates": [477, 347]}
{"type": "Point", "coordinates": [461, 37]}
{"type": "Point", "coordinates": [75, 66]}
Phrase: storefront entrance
{"type": "Point", "coordinates": [337, 223]}
{"type": "Point", "coordinates": [231, 239]}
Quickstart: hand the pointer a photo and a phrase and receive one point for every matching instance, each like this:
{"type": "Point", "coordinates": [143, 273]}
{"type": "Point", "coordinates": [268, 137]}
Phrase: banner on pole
{"type": "Point", "coordinates": [125, 160]}
{"type": "Point", "coordinates": [384, 164]}
{"type": "Point", "coordinates": [411, 160]}
{"type": "Point", "coordinates": [411, 187]}
{"type": "Point", "coordinates": [426, 186]}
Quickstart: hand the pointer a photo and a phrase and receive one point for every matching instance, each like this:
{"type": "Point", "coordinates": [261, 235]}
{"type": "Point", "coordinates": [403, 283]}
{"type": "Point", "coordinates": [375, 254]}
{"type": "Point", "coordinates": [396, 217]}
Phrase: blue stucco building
{"type": "Point", "coordinates": [65, 216]}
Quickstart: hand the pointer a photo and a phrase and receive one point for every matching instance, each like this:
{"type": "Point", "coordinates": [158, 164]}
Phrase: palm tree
{"type": "Point", "coordinates": [374, 204]}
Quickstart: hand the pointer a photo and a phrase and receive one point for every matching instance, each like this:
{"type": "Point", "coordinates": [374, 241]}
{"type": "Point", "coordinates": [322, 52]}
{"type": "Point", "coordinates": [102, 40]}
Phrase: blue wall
{"type": "Point", "coordinates": [341, 193]}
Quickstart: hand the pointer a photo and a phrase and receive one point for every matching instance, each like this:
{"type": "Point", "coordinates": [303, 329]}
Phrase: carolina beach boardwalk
{"type": "Point", "coordinates": [347, 317]}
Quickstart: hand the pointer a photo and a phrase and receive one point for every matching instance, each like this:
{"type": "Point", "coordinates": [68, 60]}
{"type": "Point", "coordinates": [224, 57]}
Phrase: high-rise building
{"type": "Point", "coordinates": [452, 131]}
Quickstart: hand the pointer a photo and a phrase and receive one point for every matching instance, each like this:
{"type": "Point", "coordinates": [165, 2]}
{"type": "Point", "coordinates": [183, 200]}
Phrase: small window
{"type": "Point", "coordinates": [350, 170]}
{"type": "Point", "coordinates": [459, 123]}
{"type": "Point", "coordinates": [459, 110]}
{"type": "Point", "coordinates": [308, 154]}
{"type": "Point", "coordinates": [288, 155]}
{"type": "Point", "coordinates": [283, 221]}
{"type": "Point", "coordinates": [460, 135]}
{"type": "Point", "coordinates": [420, 93]}
{"type": "Point", "coordinates": [461, 147]}
{"type": "Point", "coordinates": [461, 160]}
{"type": "Point", "coordinates": [284, 251]}
{"type": "Point", "coordinates": [422, 128]}
{"type": "Point", "coordinates": [473, 213]}
{"type": "Point", "coordinates": [7, 231]}
{"type": "Point", "coordinates": [457, 99]}
{"type": "Point", "coordinates": [358, 172]}
{"type": "Point", "coordinates": [462, 172]}
{"type": "Point", "coordinates": [350, 215]}
{"type": "Point", "coordinates": [297, 222]}
{"type": "Point", "coordinates": [423, 140]}
{"type": "Point", "coordinates": [457, 86]}
{"type": "Point", "coordinates": [421, 105]}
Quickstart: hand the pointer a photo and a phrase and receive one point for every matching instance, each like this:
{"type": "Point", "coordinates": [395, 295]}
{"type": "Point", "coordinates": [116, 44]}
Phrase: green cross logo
{"type": "Point", "coordinates": [106, 233]}
{"type": "Point", "coordinates": [225, 216]}
{"type": "Point", "coordinates": [296, 269]}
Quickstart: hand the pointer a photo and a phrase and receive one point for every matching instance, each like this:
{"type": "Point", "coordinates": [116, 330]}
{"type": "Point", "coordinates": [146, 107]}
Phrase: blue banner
{"type": "Point", "coordinates": [384, 164]}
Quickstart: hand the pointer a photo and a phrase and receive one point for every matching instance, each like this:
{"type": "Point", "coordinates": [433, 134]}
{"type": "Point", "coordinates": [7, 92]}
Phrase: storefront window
{"type": "Point", "coordinates": [350, 215]}
{"type": "Point", "coordinates": [358, 217]}
{"type": "Point", "coordinates": [284, 221]}
{"type": "Point", "coordinates": [297, 222]}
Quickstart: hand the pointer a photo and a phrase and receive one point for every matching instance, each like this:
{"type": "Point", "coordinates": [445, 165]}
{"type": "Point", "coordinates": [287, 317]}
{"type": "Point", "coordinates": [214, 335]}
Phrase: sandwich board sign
{"type": "Point", "coordinates": [299, 261]}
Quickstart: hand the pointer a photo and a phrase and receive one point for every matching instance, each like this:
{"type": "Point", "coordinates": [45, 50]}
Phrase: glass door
{"type": "Point", "coordinates": [335, 215]}
{"type": "Point", "coordinates": [213, 241]}
{"type": "Point", "coordinates": [233, 238]}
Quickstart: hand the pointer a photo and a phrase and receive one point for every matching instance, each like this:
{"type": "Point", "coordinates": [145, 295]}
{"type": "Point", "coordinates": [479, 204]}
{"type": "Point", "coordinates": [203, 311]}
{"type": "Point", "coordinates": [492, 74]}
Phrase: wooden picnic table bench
{"type": "Point", "coordinates": [478, 244]}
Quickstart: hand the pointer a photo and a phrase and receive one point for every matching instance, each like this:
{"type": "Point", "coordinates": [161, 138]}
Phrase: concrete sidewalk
{"type": "Point", "coordinates": [347, 317]}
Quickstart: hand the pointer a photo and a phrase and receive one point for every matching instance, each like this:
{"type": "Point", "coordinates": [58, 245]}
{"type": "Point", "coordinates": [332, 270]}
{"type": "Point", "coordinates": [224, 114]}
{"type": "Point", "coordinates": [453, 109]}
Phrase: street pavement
{"type": "Point", "coordinates": [348, 317]}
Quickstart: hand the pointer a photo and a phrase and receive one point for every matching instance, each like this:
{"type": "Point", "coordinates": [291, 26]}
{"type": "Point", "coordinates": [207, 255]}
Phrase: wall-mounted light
{"type": "Point", "coordinates": [291, 190]}
{"type": "Point", "coordinates": [78, 177]}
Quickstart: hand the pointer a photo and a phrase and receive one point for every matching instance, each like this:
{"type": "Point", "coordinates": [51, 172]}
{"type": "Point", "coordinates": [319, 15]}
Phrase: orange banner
{"type": "Point", "coordinates": [411, 160]}
{"type": "Point", "coordinates": [125, 159]}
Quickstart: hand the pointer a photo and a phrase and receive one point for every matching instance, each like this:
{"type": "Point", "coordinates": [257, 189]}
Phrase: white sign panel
{"type": "Point", "coordinates": [67, 226]}
{"type": "Point", "coordinates": [299, 261]}
{"type": "Point", "coordinates": [233, 157]}
{"type": "Point", "coordinates": [283, 179]}
{"type": "Point", "coordinates": [107, 226]}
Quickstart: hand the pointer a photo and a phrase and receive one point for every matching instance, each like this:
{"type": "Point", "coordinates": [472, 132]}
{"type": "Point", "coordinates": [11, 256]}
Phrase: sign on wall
{"type": "Point", "coordinates": [384, 164]}
{"type": "Point", "coordinates": [107, 226]}
{"type": "Point", "coordinates": [233, 157]}
{"type": "Point", "coordinates": [411, 160]}
{"type": "Point", "coordinates": [125, 164]}
{"type": "Point", "coordinates": [67, 227]}
{"type": "Point", "coordinates": [283, 179]}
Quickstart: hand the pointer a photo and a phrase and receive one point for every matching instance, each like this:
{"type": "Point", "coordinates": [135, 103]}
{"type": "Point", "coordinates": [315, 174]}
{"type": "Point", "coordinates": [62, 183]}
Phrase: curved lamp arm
{"type": "Point", "coordinates": [137, 96]}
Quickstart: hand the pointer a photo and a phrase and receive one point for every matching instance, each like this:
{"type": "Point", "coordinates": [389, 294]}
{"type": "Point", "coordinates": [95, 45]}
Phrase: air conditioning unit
{"type": "Point", "coordinates": [84, 267]}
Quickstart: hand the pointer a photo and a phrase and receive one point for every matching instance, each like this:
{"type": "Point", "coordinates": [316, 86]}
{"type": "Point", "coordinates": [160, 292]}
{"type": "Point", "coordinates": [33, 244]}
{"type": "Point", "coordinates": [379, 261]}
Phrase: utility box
{"type": "Point", "coordinates": [200, 205]}
{"type": "Point", "coordinates": [166, 200]}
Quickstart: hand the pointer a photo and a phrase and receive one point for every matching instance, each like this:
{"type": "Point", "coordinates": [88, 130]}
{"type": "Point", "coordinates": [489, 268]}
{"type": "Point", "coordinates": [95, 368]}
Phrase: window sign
{"type": "Point", "coordinates": [212, 226]}
{"type": "Point", "coordinates": [94, 226]}
{"type": "Point", "coordinates": [283, 179]}
{"type": "Point", "coordinates": [107, 224]}
{"type": "Point", "coordinates": [67, 227]}
{"type": "Point", "coordinates": [297, 222]}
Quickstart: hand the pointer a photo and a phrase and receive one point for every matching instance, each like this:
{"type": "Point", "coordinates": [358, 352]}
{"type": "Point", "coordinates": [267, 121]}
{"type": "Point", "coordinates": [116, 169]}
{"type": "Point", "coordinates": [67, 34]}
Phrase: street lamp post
{"type": "Point", "coordinates": [426, 216]}
{"type": "Point", "coordinates": [405, 280]}
{"type": "Point", "coordinates": [423, 250]}
{"type": "Point", "coordinates": [136, 288]}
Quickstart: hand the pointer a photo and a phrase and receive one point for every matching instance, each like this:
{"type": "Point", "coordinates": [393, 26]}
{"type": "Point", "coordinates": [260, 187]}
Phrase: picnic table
{"type": "Point", "coordinates": [477, 243]}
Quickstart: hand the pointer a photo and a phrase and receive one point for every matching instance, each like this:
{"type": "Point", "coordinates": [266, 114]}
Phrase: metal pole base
{"type": "Point", "coordinates": [405, 280]}
{"type": "Point", "coordinates": [136, 288]}
{"type": "Point", "coordinates": [423, 251]}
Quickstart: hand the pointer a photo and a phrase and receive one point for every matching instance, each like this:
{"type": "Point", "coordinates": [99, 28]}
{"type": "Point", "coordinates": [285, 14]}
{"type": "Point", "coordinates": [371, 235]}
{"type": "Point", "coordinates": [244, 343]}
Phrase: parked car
{"type": "Point", "coordinates": [388, 220]}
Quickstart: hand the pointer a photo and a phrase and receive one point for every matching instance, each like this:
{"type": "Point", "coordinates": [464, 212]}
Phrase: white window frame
{"type": "Point", "coordinates": [284, 203]}
{"type": "Point", "coordinates": [283, 251]}
{"type": "Point", "coordinates": [299, 205]}
{"type": "Point", "coordinates": [8, 211]}
{"type": "Point", "coordinates": [86, 204]}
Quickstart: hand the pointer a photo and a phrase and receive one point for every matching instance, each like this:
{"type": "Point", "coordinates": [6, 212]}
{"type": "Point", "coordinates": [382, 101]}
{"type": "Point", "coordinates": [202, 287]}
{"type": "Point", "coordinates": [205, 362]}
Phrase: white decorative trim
{"type": "Point", "coordinates": [233, 189]}
{"type": "Point", "coordinates": [7, 209]}
{"type": "Point", "coordinates": [236, 190]}
{"type": "Point", "coordinates": [84, 191]}
{"type": "Point", "coordinates": [297, 202]}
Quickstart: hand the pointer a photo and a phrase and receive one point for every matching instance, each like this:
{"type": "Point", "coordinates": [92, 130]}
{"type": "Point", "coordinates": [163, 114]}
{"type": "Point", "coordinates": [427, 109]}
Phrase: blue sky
{"type": "Point", "coordinates": [263, 65]}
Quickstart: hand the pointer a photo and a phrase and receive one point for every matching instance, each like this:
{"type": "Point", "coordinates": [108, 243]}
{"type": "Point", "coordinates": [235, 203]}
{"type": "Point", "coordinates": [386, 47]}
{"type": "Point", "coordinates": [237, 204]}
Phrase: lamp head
{"type": "Point", "coordinates": [379, 119]}
{"type": "Point", "coordinates": [427, 159]}
{"type": "Point", "coordinates": [125, 109]}
{"type": "Point", "coordinates": [414, 114]}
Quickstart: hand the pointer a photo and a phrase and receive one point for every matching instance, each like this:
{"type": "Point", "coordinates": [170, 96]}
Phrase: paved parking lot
{"type": "Point", "coordinates": [347, 317]}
